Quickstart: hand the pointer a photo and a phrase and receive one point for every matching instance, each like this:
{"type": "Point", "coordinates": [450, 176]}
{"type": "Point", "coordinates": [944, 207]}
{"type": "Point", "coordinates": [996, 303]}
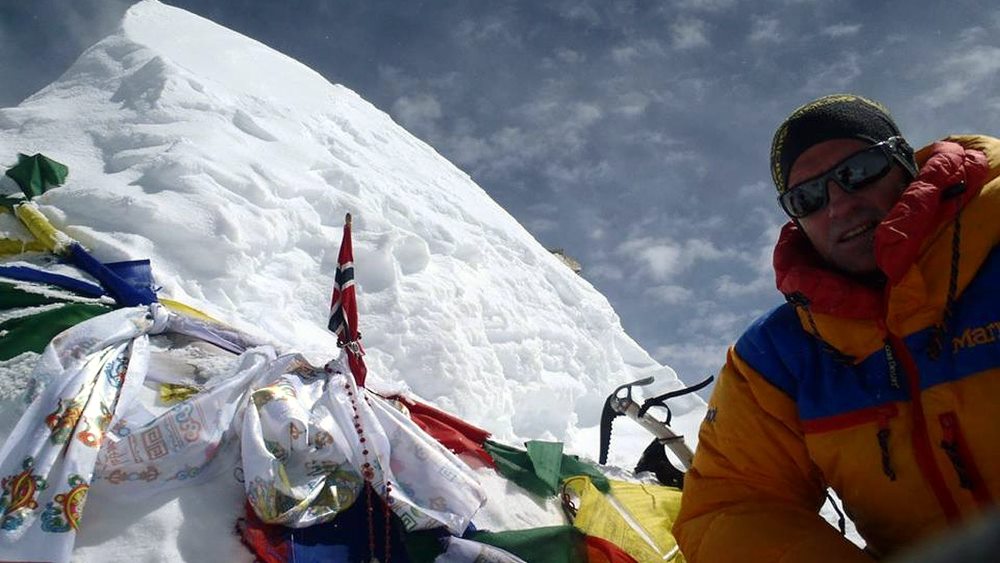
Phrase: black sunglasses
{"type": "Point", "coordinates": [852, 174]}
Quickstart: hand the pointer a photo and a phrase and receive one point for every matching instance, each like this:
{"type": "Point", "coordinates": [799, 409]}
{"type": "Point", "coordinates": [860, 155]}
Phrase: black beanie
{"type": "Point", "coordinates": [838, 116]}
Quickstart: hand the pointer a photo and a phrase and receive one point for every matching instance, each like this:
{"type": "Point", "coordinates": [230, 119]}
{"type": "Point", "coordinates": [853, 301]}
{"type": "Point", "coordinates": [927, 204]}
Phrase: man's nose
{"type": "Point", "coordinates": [839, 201]}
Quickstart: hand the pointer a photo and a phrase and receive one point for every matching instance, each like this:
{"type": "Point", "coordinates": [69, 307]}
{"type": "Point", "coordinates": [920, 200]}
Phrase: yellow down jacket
{"type": "Point", "coordinates": [891, 396]}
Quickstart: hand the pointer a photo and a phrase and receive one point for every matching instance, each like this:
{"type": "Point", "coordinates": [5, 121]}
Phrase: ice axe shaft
{"type": "Point", "coordinates": [620, 403]}
{"type": "Point", "coordinates": [663, 433]}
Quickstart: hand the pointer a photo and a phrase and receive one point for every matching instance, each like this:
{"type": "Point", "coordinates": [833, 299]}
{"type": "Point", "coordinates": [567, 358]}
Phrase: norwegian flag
{"type": "Point", "coordinates": [344, 308]}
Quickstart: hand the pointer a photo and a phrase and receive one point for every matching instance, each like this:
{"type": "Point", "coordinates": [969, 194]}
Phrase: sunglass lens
{"type": "Point", "coordinates": [804, 198]}
{"type": "Point", "coordinates": [862, 168]}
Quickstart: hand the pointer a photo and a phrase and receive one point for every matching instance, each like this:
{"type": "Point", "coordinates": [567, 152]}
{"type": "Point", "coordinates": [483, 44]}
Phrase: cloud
{"type": "Point", "coordinates": [393, 77]}
{"type": "Point", "coordinates": [765, 30]}
{"type": "Point", "coordinates": [584, 115]}
{"type": "Point", "coordinates": [670, 294]}
{"type": "Point", "coordinates": [723, 323]}
{"type": "Point", "coordinates": [755, 189]}
{"type": "Point", "coordinates": [580, 12]}
{"type": "Point", "coordinates": [705, 357]}
{"type": "Point", "coordinates": [548, 134]}
{"type": "Point", "coordinates": [605, 271]}
{"type": "Point", "coordinates": [701, 5]}
{"type": "Point", "coordinates": [542, 225]}
{"type": "Point", "coordinates": [963, 73]}
{"type": "Point", "coordinates": [633, 104]}
{"type": "Point", "coordinates": [569, 172]}
{"type": "Point", "coordinates": [661, 140]}
{"type": "Point", "coordinates": [836, 76]}
{"type": "Point", "coordinates": [490, 29]}
{"type": "Point", "coordinates": [419, 112]}
{"type": "Point", "coordinates": [470, 151]}
{"type": "Point", "coordinates": [727, 286]}
{"type": "Point", "coordinates": [689, 34]}
{"type": "Point", "coordinates": [624, 54]}
{"type": "Point", "coordinates": [569, 56]}
{"type": "Point", "coordinates": [663, 259]}
{"type": "Point", "coordinates": [627, 52]}
{"type": "Point", "coordinates": [569, 117]}
{"type": "Point", "coordinates": [841, 30]}
{"type": "Point", "coordinates": [759, 259]}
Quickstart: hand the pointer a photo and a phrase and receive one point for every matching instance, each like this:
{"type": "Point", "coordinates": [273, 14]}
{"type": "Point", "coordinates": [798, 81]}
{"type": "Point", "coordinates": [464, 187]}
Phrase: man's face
{"type": "Point", "coordinates": [843, 232]}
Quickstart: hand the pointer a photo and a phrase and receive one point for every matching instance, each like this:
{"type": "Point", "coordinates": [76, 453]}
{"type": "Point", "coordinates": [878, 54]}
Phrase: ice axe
{"type": "Point", "coordinates": [654, 457]}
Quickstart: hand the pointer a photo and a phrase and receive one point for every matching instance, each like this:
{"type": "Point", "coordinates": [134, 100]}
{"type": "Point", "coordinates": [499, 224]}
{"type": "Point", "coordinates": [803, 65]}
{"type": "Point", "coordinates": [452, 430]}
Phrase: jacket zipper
{"type": "Point", "coordinates": [954, 445]}
{"type": "Point", "coordinates": [922, 448]}
{"type": "Point", "coordinates": [884, 414]}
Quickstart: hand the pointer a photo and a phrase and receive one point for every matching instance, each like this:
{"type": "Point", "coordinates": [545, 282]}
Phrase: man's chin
{"type": "Point", "coordinates": [854, 265]}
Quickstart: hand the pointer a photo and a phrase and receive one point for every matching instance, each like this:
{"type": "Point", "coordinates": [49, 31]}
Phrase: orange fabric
{"type": "Point", "coordinates": [753, 492]}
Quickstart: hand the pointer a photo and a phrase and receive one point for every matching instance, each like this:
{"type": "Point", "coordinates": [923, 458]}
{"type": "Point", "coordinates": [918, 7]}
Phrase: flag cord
{"type": "Point", "coordinates": [368, 473]}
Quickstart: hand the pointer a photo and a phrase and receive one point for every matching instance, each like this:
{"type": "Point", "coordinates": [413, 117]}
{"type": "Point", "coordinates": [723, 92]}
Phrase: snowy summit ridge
{"type": "Point", "coordinates": [232, 166]}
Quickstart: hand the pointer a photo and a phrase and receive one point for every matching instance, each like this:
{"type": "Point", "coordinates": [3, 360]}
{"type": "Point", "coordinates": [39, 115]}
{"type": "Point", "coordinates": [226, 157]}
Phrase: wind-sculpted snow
{"type": "Point", "coordinates": [232, 166]}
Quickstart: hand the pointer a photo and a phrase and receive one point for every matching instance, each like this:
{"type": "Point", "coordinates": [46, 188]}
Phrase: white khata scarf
{"type": "Point", "coordinates": [301, 455]}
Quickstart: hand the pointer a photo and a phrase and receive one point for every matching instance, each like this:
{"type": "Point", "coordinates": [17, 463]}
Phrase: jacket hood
{"type": "Point", "coordinates": [951, 173]}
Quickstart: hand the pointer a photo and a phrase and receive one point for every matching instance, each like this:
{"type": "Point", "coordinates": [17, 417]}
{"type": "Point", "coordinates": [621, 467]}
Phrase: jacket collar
{"type": "Point", "coordinates": [950, 175]}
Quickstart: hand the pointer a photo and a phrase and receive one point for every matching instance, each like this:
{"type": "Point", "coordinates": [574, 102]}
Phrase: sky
{"type": "Point", "coordinates": [634, 135]}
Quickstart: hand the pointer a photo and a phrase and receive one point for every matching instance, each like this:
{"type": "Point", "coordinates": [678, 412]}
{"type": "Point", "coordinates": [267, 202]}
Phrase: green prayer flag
{"type": "Point", "coordinates": [546, 458]}
{"type": "Point", "coordinates": [536, 477]}
{"type": "Point", "coordinates": [552, 544]}
{"type": "Point", "coordinates": [36, 174]}
{"type": "Point", "coordinates": [34, 332]}
{"type": "Point", "coordinates": [423, 546]}
{"type": "Point", "coordinates": [573, 466]}
{"type": "Point", "coordinates": [13, 298]}
{"type": "Point", "coordinates": [10, 202]}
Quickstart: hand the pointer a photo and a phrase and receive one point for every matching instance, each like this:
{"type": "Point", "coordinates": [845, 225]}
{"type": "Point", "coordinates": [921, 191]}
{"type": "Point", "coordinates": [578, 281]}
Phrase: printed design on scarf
{"type": "Point", "coordinates": [280, 391]}
{"type": "Point", "coordinates": [410, 518]}
{"type": "Point", "coordinates": [174, 431]}
{"type": "Point", "coordinates": [188, 472]}
{"type": "Point", "coordinates": [320, 467]}
{"type": "Point", "coordinates": [338, 488]}
{"type": "Point", "coordinates": [188, 425]}
{"type": "Point", "coordinates": [118, 476]}
{"type": "Point", "coordinates": [116, 369]}
{"type": "Point", "coordinates": [344, 484]}
{"type": "Point", "coordinates": [267, 502]}
{"type": "Point", "coordinates": [63, 420]}
{"type": "Point", "coordinates": [321, 439]}
{"type": "Point", "coordinates": [275, 449]}
{"type": "Point", "coordinates": [338, 491]}
{"type": "Point", "coordinates": [93, 439]}
{"type": "Point", "coordinates": [19, 495]}
{"type": "Point", "coordinates": [66, 509]}
{"type": "Point", "coordinates": [439, 504]}
{"type": "Point", "coordinates": [295, 430]}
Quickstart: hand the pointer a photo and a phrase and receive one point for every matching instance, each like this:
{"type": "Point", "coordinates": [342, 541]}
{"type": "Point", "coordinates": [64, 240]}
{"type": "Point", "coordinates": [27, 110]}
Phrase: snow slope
{"type": "Point", "coordinates": [231, 167]}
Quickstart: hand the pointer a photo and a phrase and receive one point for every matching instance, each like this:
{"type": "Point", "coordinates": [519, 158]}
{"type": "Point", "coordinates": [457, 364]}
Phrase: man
{"type": "Point", "coordinates": [880, 377]}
